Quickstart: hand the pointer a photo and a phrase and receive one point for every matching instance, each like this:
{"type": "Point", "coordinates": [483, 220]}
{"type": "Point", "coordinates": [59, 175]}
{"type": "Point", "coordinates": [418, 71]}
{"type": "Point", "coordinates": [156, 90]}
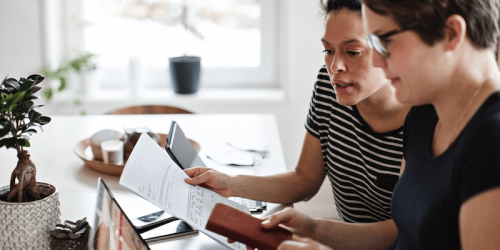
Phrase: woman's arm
{"type": "Point", "coordinates": [284, 188]}
{"type": "Point", "coordinates": [480, 221]}
{"type": "Point", "coordinates": [336, 234]}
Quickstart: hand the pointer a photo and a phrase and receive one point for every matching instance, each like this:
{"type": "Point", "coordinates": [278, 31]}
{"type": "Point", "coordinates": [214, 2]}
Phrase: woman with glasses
{"type": "Point", "coordinates": [439, 56]}
{"type": "Point", "coordinates": [355, 131]}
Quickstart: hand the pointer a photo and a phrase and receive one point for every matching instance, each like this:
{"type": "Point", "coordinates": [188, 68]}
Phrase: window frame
{"type": "Point", "coordinates": [69, 38]}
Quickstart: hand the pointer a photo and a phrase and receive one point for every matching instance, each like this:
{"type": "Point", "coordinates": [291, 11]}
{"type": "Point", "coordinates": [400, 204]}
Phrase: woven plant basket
{"type": "Point", "coordinates": [26, 225]}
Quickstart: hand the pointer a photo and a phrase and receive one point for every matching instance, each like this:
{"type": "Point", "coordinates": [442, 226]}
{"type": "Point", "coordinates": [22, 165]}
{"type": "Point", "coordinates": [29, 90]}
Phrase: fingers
{"type": "Point", "coordinates": [283, 216]}
{"type": "Point", "coordinates": [291, 245]}
{"type": "Point", "coordinates": [232, 241]}
{"type": "Point", "coordinates": [200, 179]}
{"type": "Point", "coordinates": [191, 172]}
{"type": "Point", "coordinates": [298, 238]}
{"type": "Point", "coordinates": [299, 243]}
{"type": "Point", "coordinates": [201, 175]}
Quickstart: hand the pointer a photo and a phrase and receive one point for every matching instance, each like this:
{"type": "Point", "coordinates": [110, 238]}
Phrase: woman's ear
{"type": "Point", "coordinates": [455, 32]}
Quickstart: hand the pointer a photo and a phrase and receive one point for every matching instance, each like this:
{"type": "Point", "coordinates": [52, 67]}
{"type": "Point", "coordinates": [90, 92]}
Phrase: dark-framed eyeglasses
{"type": "Point", "coordinates": [379, 42]}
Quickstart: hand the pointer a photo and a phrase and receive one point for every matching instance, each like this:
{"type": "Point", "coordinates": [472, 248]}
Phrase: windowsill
{"type": "Point", "coordinates": [207, 95]}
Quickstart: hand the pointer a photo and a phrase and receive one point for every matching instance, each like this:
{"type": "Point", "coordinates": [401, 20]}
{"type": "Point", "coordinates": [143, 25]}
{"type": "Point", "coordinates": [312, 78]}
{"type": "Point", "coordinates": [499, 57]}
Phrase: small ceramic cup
{"type": "Point", "coordinates": [112, 152]}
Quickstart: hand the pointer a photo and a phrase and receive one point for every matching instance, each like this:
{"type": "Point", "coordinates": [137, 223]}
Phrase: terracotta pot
{"type": "Point", "coordinates": [26, 225]}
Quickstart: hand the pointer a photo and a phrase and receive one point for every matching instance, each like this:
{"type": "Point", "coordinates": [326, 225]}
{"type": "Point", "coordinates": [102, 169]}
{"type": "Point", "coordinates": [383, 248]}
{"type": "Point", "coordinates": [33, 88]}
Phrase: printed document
{"type": "Point", "coordinates": [153, 175]}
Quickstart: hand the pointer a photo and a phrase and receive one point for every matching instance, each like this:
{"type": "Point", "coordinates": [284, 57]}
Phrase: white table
{"type": "Point", "coordinates": [57, 164]}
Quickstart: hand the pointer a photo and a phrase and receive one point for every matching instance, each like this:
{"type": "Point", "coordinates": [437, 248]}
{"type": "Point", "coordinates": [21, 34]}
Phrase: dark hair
{"type": "Point", "coordinates": [338, 5]}
{"type": "Point", "coordinates": [482, 18]}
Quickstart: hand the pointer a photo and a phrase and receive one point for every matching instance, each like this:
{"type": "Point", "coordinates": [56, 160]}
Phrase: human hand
{"type": "Point", "coordinates": [293, 220]}
{"type": "Point", "coordinates": [211, 179]}
{"type": "Point", "coordinates": [230, 241]}
{"type": "Point", "coordinates": [299, 243]}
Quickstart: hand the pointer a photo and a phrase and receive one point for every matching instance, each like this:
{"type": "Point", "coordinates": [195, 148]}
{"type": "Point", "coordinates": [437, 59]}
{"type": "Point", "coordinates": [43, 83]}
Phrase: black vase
{"type": "Point", "coordinates": [185, 74]}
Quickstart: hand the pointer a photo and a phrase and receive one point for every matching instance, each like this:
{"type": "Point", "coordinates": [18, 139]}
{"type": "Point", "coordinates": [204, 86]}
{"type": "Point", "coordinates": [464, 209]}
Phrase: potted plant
{"type": "Point", "coordinates": [185, 71]}
{"type": "Point", "coordinates": [27, 208]}
{"type": "Point", "coordinates": [80, 64]}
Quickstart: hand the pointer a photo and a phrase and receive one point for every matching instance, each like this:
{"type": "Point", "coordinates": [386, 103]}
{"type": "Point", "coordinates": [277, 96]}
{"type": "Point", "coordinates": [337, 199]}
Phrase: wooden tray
{"type": "Point", "coordinates": [84, 151]}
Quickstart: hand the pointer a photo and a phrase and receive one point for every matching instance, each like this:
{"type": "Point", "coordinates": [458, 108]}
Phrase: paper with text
{"type": "Point", "coordinates": [153, 175]}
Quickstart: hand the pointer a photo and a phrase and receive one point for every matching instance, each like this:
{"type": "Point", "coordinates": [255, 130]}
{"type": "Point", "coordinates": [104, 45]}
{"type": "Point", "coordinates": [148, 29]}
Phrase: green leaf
{"type": "Point", "coordinates": [36, 78]}
{"type": "Point", "coordinates": [33, 116]}
{"type": "Point", "coordinates": [2, 99]}
{"type": "Point", "coordinates": [12, 101]}
{"type": "Point", "coordinates": [34, 89]}
{"type": "Point", "coordinates": [23, 142]}
{"type": "Point", "coordinates": [37, 106]}
{"type": "Point", "coordinates": [30, 131]}
{"type": "Point", "coordinates": [63, 85]}
{"type": "Point", "coordinates": [44, 120]}
{"type": "Point", "coordinates": [23, 136]}
{"type": "Point", "coordinates": [20, 116]}
{"type": "Point", "coordinates": [22, 128]}
{"type": "Point", "coordinates": [5, 130]}
{"type": "Point", "coordinates": [25, 106]}
{"type": "Point", "coordinates": [10, 142]}
{"type": "Point", "coordinates": [34, 124]}
{"type": "Point", "coordinates": [48, 94]}
{"type": "Point", "coordinates": [27, 84]}
{"type": "Point", "coordinates": [29, 96]}
{"type": "Point", "coordinates": [12, 83]}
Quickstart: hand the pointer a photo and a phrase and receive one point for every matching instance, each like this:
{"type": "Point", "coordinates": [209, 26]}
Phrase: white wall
{"type": "Point", "coordinates": [22, 55]}
{"type": "Point", "coordinates": [20, 43]}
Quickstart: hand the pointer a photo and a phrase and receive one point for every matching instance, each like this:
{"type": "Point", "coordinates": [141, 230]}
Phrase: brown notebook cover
{"type": "Point", "coordinates": [245, 228]}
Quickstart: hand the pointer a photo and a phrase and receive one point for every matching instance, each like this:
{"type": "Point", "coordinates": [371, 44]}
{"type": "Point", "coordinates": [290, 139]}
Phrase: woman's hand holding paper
{"type": "Point", "coordinates": [209, 178]}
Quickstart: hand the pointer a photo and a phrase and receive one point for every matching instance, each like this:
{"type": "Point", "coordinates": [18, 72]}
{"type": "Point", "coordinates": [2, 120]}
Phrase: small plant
{"type": "Point", "coordinates": [18, 120]}
{"type": "Point", "coordinates": [77, 65]}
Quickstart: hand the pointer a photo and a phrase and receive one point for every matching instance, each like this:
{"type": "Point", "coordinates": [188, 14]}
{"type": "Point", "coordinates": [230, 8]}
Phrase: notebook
{"type": "Point", "coordinates": [244, 228]}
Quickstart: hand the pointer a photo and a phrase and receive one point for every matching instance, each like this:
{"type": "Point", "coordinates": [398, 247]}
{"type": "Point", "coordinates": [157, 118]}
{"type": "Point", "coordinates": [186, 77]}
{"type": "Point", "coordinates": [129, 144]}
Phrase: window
{"type": "Point", "coordinates": [133, 39]}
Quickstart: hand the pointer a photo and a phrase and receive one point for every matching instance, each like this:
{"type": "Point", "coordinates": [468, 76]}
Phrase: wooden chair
{"type": "Point", "coordinates": [149, 109]}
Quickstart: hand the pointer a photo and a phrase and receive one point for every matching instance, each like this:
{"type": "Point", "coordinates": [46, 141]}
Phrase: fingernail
{"type": "Point", "coordinates": [266, 222]}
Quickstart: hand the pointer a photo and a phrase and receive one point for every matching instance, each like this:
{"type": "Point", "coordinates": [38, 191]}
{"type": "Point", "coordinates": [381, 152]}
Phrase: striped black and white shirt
{"type": "Point", "coordinates": [363, 166]}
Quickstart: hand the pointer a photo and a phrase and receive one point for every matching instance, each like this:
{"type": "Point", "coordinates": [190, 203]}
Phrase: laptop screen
{"type": "Point", "coordinates": [112, 228]}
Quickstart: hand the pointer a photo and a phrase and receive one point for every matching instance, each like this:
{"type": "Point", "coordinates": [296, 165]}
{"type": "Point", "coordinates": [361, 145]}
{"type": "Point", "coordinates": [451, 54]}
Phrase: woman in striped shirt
{"type": "Point", "coordinates": [354, 132]}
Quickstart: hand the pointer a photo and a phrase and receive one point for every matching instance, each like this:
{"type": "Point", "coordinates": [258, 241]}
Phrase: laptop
{"type": "Point", "coordinates": [112, 228]}
{"type": "Point", "coordinates": [183, 153]}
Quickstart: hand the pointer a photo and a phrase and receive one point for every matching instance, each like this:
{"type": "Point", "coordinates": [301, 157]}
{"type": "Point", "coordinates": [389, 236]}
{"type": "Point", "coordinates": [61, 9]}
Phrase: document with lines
{"type": "Point", "coordinates": [153, 175]}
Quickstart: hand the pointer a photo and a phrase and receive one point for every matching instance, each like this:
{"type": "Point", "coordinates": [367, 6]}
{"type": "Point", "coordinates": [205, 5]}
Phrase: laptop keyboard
{"type": "Point", "coordinates": [253, 206]}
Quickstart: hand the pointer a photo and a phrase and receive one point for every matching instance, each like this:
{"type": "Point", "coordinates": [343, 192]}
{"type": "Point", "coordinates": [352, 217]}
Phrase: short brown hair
{"type": "Point", "coordinates": [482, 17]}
